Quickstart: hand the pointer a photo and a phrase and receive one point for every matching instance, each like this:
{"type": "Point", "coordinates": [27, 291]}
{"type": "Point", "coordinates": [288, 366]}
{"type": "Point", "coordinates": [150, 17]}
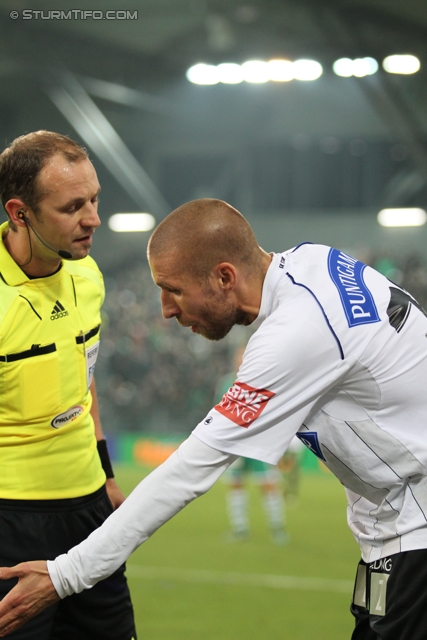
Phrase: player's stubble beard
{"type": "Point", "coordinates": [217, 317]}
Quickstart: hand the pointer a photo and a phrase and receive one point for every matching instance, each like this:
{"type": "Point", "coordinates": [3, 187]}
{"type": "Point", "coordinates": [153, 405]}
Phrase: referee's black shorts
{"type": "Point", "coordinates": [390, 598]}
{"type": "Point", "coordinates": [43, 529]}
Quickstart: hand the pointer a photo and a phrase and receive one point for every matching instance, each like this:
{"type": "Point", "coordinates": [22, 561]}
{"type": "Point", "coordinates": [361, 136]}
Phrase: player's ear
{"type": "Point", "coordinates": [226, 275]}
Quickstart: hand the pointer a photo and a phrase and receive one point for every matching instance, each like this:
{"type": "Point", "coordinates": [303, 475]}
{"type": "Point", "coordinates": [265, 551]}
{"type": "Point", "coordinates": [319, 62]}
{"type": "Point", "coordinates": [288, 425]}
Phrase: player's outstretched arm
{"type": "Point", "coordinates": [33, 593]}
{"type": "Point", "coordinates": [187, 474]}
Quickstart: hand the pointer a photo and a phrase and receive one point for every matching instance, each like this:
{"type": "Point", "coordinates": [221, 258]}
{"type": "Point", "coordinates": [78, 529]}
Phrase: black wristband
{"type": "Point", "coordinates": [105, 458]}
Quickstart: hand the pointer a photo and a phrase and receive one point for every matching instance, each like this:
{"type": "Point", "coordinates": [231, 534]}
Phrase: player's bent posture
{"type": "Point", "coordinates": [339, 358]}
{"type": "Point", "coordinates": [53, 457]}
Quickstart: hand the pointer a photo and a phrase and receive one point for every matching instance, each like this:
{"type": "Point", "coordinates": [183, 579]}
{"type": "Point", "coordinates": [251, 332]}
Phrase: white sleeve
{"type": "Point", "coordinates": [289, 364]}
{"type": "Point", "coordinates": [187, 473]}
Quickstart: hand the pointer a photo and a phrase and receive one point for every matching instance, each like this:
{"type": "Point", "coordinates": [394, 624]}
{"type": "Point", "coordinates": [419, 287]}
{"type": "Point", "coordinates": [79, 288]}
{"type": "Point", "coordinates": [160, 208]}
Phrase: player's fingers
{"type": "Point", "coordinates": [15, 615]}
{"type": "Point", "coordinates": [16, 609]}
{"type": "Point", "coordinates": [33, 593]}
{"type": "Point", "coordinates": [6, 573]}
{"type": "Point", "coordinates": [11, 613]}
{"type": "Point", "coordinates": [11, 602]}
{"type": "Point", "coordinates": [12, 619]}
{"type": "Point", "coordinates": [23, 569]}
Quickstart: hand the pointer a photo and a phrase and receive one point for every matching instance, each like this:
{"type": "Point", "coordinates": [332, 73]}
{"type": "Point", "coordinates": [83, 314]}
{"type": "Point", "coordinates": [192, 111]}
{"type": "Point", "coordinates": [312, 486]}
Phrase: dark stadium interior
{"type": "Point", "coordinates": [302, 160]}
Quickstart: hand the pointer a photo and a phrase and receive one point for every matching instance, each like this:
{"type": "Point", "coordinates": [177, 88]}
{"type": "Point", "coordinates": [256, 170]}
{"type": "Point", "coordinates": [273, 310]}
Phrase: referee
{"type": "Point", "coordinates": [338, 358]}
{"type": "Point", "coordinates": [56, 481]}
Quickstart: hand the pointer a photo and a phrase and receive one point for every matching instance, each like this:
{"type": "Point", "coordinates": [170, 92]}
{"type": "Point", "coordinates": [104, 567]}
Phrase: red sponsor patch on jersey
{"type": "Point", "coordinates": [243, 404]}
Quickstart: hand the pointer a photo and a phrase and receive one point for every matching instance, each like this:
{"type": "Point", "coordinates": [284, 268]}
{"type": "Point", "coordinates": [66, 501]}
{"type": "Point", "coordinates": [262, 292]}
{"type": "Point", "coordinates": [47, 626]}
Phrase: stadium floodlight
{"type": "Point", "coordinates": [364, 67]}
{"type": "Point", "coordinates": [255, 71]}
{"type": "Point", "coordinates": [360, 67]}
{"type": "Point", "coordinates": [280, 70]}
{"type": "Point", "coordinates": [403, 64]}
{"type": "Point", "coordinates": [127, 222]}
{"type": "Point", "coordinates": [203, 74]}
{"type": "Point", "coordinates": [409, 217]}
{"type": "Point", "coordinates": [343, 67]}
{"type": "Point", "coordinates": [307, 70]}
{"type": "Point", "coordinates": [230, 73]}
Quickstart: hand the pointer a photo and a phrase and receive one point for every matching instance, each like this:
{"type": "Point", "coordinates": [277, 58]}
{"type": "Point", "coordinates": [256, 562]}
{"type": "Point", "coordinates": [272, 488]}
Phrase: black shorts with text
{"type": "Point", "coordinates": [390, 598]}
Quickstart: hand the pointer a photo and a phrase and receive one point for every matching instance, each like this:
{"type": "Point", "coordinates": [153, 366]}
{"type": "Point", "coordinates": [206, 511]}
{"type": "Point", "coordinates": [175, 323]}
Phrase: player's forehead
{"type": "Point", "coordinates": [168, 270]}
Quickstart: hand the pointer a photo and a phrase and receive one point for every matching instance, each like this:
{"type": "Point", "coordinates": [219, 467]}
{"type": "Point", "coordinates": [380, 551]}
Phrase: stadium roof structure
{"type": "Point", "coordinates": [116, 78]}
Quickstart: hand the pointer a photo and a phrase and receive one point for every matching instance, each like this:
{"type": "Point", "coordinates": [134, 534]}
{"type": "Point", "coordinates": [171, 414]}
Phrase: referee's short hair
{"type": "Point", "coordinates": [22, 161]}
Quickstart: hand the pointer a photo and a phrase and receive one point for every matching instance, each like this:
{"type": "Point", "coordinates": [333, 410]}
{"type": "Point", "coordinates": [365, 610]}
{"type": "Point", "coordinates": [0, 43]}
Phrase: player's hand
{"type": "Point", "coordinates": [114, 493]}
{"type": "Point", "coordinates": [33, 593]}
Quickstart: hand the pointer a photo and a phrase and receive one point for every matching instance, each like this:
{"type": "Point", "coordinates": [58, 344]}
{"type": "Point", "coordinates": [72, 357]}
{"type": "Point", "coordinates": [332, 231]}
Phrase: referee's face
{"type": "Point", "coordinates": [201, 307]}
{"type": "Point", "coordinates": [68, 210]}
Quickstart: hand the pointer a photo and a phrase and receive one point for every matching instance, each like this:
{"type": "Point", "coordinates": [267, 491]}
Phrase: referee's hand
{"type": "Point", "coordinates": [115, 494]}
{"type": "Point", "coordinates": [33, 593]}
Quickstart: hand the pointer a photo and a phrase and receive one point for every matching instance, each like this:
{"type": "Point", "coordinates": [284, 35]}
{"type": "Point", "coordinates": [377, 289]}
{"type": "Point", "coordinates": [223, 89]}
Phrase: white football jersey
{"type": "Point", "coordinates": [340, 359]}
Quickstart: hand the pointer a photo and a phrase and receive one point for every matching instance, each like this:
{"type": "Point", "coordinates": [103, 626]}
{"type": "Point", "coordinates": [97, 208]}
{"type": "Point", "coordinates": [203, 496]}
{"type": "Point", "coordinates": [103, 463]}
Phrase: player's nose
{"type": "Point", "coordinates": [169, 307]}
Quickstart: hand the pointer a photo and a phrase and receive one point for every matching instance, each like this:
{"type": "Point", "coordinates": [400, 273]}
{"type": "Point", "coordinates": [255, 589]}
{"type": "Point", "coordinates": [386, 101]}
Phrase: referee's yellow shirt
{"type": "Point", "coordinates": [49, 341]}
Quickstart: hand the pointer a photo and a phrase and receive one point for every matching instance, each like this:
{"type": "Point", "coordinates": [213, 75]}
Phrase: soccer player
{"type": "Point", "coordinates": [339, 358]}
{"type": "Point", "coordinates": [56, 481]}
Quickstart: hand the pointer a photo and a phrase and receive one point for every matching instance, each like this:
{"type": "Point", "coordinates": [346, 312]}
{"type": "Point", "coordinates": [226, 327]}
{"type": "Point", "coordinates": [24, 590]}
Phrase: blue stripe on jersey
{"type": "Point", "coordinates": [311, 441]}
{"type": "Point", "coordinates": [357, 301]}
{"type": "Point", "coordinates": [301, 244]}
{"type": "Point", "coordinates": [323, 312]}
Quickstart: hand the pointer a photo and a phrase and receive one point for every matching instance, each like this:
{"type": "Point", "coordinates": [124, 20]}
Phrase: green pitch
{"type": "Point", "coordinates": [188, 583]}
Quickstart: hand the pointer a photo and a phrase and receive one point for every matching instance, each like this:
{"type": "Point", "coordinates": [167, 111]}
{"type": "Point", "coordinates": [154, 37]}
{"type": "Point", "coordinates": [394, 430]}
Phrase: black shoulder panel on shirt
{"type": "Point", "coordinates": [399, 308]}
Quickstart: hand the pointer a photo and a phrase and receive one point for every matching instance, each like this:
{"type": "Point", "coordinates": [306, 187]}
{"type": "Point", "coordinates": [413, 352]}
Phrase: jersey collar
{"type": "Point", "coordinates": [272, 277]}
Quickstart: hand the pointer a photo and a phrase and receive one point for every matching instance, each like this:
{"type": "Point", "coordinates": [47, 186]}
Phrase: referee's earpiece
{"type": "Point", "coordinates": [63, 254]}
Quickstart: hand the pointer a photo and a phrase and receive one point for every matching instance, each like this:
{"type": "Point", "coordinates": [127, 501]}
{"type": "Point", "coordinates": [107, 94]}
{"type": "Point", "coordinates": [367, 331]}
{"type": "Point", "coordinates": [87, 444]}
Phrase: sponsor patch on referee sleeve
{"type": "Point", "coordinates": [243, 404]}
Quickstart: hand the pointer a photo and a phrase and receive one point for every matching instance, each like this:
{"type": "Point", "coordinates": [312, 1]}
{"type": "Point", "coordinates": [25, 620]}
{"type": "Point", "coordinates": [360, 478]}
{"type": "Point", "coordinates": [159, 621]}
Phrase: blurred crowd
{"type": "Point", "coordinates": [152, 374]}
{"type": "Point", "coordinates": [156, 377]}
{"type": "Point", "coordinates": [409, 273]}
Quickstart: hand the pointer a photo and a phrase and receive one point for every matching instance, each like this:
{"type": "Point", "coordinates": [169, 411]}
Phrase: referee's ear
{"type": "Point", "coordinates": [13, 207]}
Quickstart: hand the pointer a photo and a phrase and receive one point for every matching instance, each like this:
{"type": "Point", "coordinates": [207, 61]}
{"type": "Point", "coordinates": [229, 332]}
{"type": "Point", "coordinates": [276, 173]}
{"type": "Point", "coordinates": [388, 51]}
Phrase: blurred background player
{"type": "Point", "coordinates": [290, 468]}
{"type": "Point", "coordinates": [244, 470]}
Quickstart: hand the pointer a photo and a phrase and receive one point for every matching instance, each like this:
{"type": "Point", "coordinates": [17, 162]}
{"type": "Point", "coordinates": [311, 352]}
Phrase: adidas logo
{"type": "Point", "coordinates": [58, 311]}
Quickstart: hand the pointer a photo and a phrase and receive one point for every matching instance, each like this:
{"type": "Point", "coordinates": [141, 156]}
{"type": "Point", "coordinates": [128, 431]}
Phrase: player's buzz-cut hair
{"type": "Point", "coordinates": [22, 161]}
{"type": "Point", "coordinates": [203, 233]}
